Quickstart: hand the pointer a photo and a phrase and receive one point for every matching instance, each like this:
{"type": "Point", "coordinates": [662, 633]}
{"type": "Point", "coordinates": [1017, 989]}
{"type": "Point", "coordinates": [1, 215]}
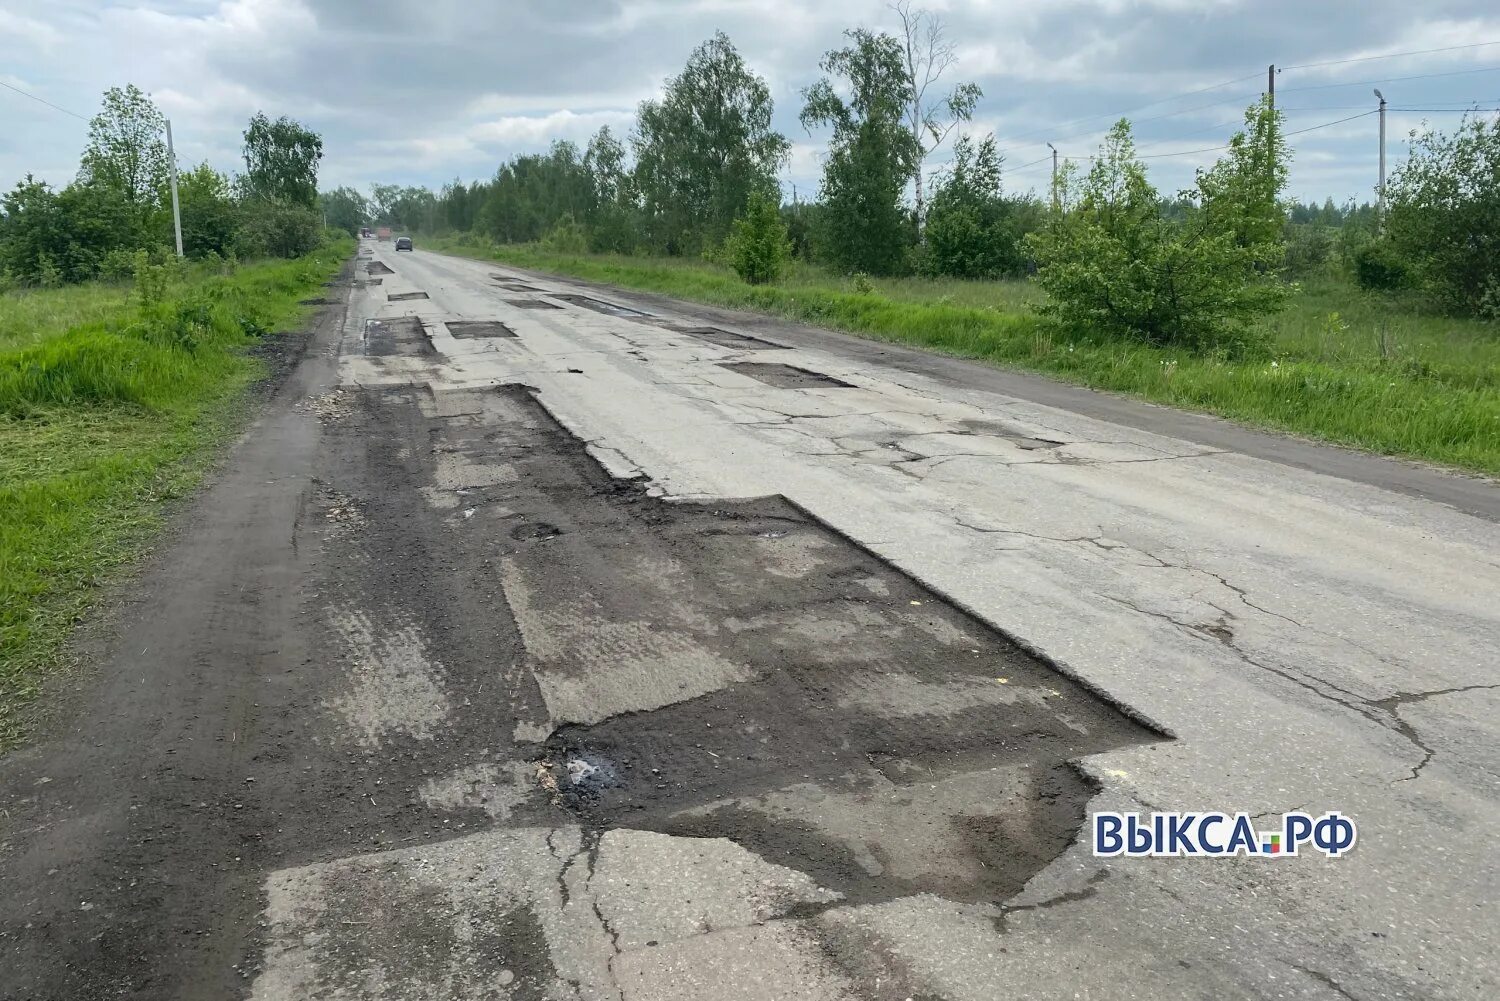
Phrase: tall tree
{"type": "Point", "coordinates": [872, 153]}
{"type": "Point", "coordinates": [928, 54]}
{"type": "Point", "coordinates": [127, 150]}
{"type": "Point", "coordinates": [281, 160]}
{"type": "Point", "coordinates": [345, 209]}
{"type": "Point", "coordinates": [705, 146]}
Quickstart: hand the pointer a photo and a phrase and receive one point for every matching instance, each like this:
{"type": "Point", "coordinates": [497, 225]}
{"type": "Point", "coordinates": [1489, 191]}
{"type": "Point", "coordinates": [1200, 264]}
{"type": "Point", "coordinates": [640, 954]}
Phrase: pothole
{"type": "Point", "coordinates": [737, 670]}
{"type": "Point", "coordinates": [531, 304]}
{"type": "Point", "coordinates": [785, 376]}
{"type": "Point", "coordinates": [729, 339]}
{"type": "Point", "coordinates": [402, 335]}
{"type": "Point", "coordinates": [378, 268]}
{"type": "Point", "coordinates": [599, 305]}
{"type": "Point", "coordinates": [405, 296]}
{"type": "Point", "coordinates": [478, 328]}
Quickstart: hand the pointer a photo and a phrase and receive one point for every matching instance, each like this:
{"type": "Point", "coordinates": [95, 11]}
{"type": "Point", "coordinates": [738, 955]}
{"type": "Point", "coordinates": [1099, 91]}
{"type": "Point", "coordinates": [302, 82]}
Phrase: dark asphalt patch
{"type": "Point", "coordinates": [728, 338]}
{"type": "Point", "coordinates": [1015, 435]}
{"type": "Point", "coordinates": [405, 296]}
{"type": "Point", "coordinates": [478, 328]}
{"type": "Point", "coordinates": [851, 683]}
{"type": "Point", "coordinates": [600, 306]}
{"type": "Point", "coordinates": [402, 335]}
{"type": "Point", "coordinates": [785, 376]}
{"type": "Point", "coordinates": [517, 286]}
{"type": "Point", "coordinates": [378, 268]}
{"type": "Point", "coordinates": [531, 304]}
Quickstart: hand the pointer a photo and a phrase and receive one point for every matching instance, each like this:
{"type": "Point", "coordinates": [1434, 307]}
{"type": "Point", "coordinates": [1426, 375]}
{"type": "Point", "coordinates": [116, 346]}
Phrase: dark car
{"type": "Point", "coordinates": [403, 243]}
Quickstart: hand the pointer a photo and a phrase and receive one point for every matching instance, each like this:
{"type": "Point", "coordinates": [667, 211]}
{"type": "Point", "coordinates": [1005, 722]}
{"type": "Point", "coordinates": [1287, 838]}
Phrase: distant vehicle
{"type": "Point", "coordinates": [403, 243]}
{"type": "Point", "coordinates": [383, 233]}
{"type": "Point", "coordinates": [366, 232]}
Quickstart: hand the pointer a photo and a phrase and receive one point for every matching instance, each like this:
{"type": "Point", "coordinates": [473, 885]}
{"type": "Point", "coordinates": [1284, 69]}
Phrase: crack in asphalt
{"type": "Point", "coordinates": [1325, 980]}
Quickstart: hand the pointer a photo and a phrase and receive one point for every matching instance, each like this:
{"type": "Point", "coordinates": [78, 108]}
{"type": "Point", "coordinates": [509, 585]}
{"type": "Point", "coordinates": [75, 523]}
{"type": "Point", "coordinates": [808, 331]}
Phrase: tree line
{"type": "Point", "coordinates": [120, 205]}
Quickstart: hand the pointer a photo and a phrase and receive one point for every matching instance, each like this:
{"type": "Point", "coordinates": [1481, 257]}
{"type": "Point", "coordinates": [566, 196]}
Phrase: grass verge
{"type": "Point", "coordinates": [1338, 366]}
{"type": "Point", "coordinates": [109, 408]}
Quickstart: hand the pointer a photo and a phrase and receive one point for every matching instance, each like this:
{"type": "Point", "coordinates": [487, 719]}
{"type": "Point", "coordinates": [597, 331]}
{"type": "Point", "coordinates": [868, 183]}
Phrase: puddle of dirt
{"type": "Point", "coordinates": [402, 335]}
{"type": "Point", "coordinates": [834, 715]}
{"type": "Point", "coordinates": [478, 328]}
{"type": "Point", "coordinates": [405, 296]}
{"type": "Point", "coordinates": [531, 304]}
{"type": "Point", "coordinates": [729, 339]}
{"type": "Point", "coordinates": [599, 305]}
{"type": "Point", "coordinates": [785, 376]}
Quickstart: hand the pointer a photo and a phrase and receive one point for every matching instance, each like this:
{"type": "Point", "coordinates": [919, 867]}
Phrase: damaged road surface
{"type": "Point", "coordinates": [545, 641]}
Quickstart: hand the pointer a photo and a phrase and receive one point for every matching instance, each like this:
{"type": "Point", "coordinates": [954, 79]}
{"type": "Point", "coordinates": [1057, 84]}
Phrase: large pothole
{"type": "Point", "coordinates": [738, 670]}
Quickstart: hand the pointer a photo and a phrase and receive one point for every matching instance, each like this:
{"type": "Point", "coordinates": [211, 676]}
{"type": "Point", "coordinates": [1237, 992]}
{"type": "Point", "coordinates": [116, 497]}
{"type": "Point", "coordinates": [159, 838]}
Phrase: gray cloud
{"type": "Point", "coordinates": [412, 92]}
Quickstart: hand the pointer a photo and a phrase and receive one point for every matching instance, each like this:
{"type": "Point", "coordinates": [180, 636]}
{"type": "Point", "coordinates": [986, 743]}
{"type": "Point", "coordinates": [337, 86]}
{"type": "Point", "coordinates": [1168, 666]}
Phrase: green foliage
{"type": "Point", "coordinates": [278, 229]}
{"type": "Point", "coordinates": [127, 149]}
{"type": "Point", "coordinates": [1443, 213]}
{"type": "Point", "coordinates": [871, 157]}
{"type": "Point", "coordinates": [973, 231]}
{"type": "Point", "coordinates": [703, 147]}
{"type": "Point", "coordinates": [281, 161]}
{"type": "Point", "coordinates": [1310, 248]}
{"type": "Point", "coordinates": [346, 209]}
{"type": "Point", "coordinates": [757, 247]}
{"type": "Point", "coordinates": [1380, 267]}
{"type": "Point", "coordinates": [1114, 263]}
{"type": "Point", "coordinates": [567, 236]}
{"type": "Point", "coordinates": [210, 217]}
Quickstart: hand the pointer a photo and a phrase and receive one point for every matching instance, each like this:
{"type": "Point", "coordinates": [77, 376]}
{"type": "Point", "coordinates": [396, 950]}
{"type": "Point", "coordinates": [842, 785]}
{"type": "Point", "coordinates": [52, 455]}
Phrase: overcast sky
{"type": "Point", "coordinates": [422, 92]}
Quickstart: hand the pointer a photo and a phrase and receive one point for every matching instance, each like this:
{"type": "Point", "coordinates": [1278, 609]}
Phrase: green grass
{"type": "Point", "coordinates": [108, 410]}
{"type": "Point", "coordinates": [1338, 365]}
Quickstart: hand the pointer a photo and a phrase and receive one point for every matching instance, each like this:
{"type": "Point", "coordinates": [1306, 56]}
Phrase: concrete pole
{"type": "Point", "coordinates": [172, 167]}
{"type": "Point", "coordinates": [1055, 196]}
{"type": "Point", "coordinates": [1380, 191]}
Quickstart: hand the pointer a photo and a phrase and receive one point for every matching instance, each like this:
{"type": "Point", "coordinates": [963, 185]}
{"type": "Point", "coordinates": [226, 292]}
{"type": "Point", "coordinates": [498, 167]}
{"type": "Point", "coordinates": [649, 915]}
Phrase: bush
{"type": "Point", "coordinates": [1116, 263]}
{"type": "Point", "coordinates": [1379, 267]}
{"type": "Point", "coordinates": [1309, 249]}
{"type": "Point", "coordinates": [567, 236]}
{"type": "Point", "coordinates": [972, 230]}
{"type": "Point", "coordinates": [757, 247]}
{"type": "Point", "coordinates": [1443, 215]}
{"type": "Point", "coordinates": [278, 229]}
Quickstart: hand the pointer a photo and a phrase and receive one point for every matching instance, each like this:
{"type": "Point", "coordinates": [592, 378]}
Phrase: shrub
{"type": "Point", "coordinates": [1115, 262]}
{"type": "Point", "coordinates": [1379, 267]}
{"type": "Point", "coordinates": [1443, 213]}
{"type": "Point", "coordinates": [757, 247]}
{"type": "Point", "coordinates": [972, 230]}
{"type": "Point", "coordinates": [278, 229]}
{"type": "Point", "coordinates": [1309, 249]}
{"type": "Point", "coordinates": [567, 236]}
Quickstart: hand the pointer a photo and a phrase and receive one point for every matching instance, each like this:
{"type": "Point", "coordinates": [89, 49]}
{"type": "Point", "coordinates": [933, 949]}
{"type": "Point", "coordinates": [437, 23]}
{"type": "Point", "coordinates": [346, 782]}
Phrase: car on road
{"type": "Point", "coordinates": [403, 243]}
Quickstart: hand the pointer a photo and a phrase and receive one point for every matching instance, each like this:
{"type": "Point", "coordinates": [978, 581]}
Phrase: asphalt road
{"type": "Point", "coordinates": [548, 641]}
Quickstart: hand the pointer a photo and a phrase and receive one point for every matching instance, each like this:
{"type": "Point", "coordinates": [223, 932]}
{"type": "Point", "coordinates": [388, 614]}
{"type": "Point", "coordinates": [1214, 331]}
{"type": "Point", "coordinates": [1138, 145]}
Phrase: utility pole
{"type": "Point", "coordinates": [172, 166]}
{"type": "Point", "coordinates": [1055, 205]}
{"type": "Point", "coordinates": [1380, 191]}
{"type": "Point", "coordinates": [1271, 85]}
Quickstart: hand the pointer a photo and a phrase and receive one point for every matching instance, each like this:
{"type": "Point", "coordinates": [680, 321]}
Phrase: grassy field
{"type": "Point", "coordinates": [109, 408]}
{"type": "Point", "coordinates": [1338, 365]}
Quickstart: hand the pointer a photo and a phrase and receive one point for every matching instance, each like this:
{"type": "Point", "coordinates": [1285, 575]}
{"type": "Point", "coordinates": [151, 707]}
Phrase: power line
{"type": "Point", "coordinates": [49, 104]}
{"type": "Point", "coordinates": [1391, 55]}
{"type": "Point", "coordinates": [1389, 79]}
{"type": "Point", "coordinates": [1089, 118]}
